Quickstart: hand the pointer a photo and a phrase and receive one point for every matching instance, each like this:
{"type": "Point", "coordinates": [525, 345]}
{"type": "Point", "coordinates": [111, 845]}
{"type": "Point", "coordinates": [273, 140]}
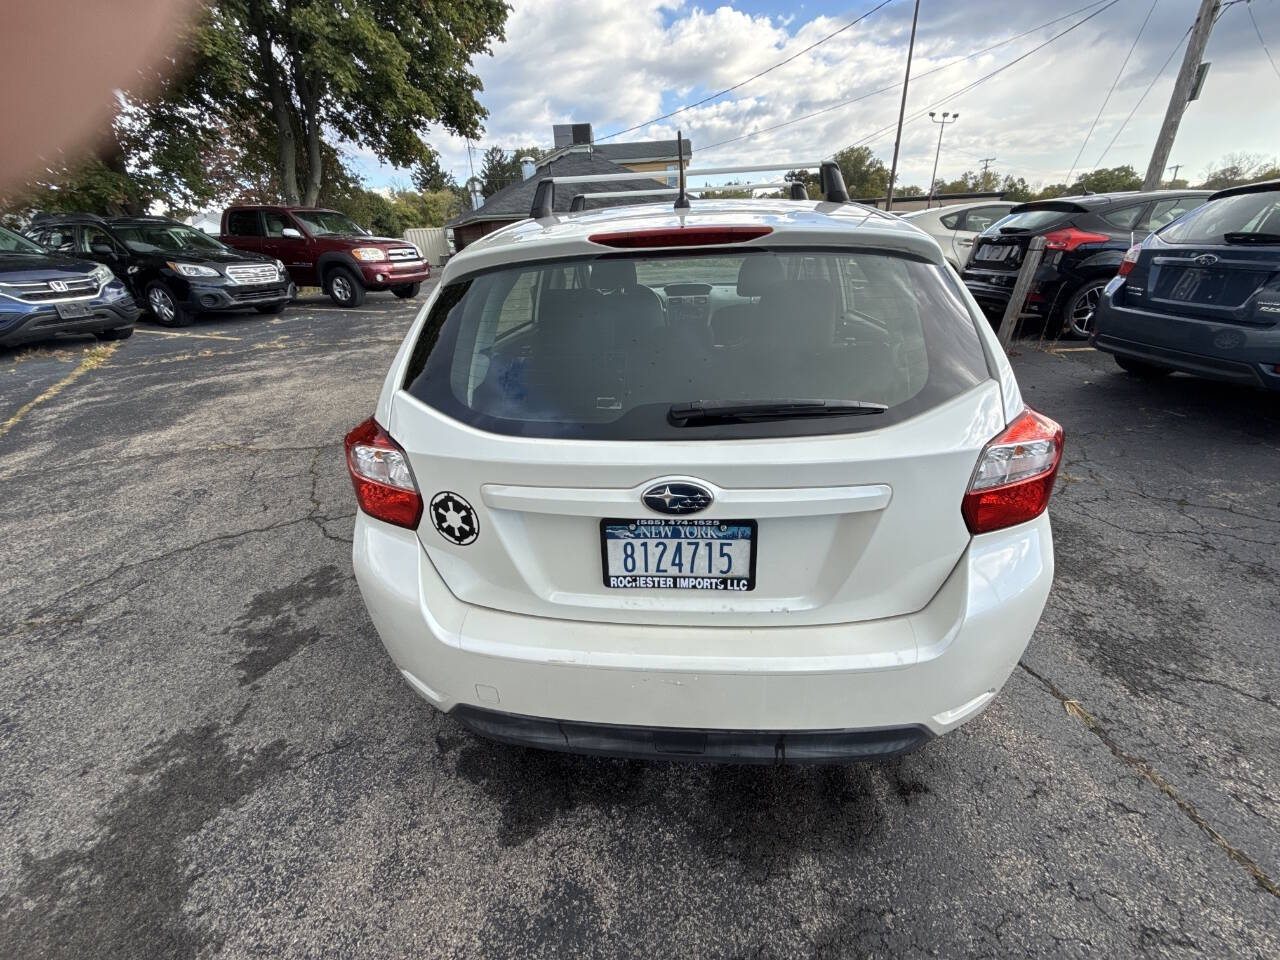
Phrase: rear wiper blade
{"type": "Point", "coordinates": [746, 411]}
{"type": "Point", "coordinates": [1251, 237]}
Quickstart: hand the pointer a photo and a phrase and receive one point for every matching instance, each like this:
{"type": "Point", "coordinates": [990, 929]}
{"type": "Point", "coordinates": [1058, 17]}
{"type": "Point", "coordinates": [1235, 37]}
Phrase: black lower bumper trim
{"type": "Point", "coordinates": [1217, 368]}
{"type": "Point", "coordinates": [676, 743]}
{"type": "Point", "coordinates": [44, 324]}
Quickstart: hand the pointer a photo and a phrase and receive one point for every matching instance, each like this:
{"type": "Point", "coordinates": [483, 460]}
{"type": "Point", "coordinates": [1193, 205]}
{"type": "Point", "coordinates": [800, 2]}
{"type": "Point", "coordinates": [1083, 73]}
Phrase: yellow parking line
{"type": "Point", "coordinates": [194, 336]}
{"type": "Point", "coordinates": [1073, 349]}
{"type": "Point", "coordinates": [93, 357]}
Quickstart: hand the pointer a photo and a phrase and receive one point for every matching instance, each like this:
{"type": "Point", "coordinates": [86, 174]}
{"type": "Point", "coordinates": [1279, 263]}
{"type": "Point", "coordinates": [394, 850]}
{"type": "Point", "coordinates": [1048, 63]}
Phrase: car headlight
{"type": "Point", "coordinates": [193, 270]}
{"type": "Point", "coordinates": [369, 253]}
{"type": "Point", "coordinates": [280, 267]}
{"type": "Point", "coordinates": [102, 274]}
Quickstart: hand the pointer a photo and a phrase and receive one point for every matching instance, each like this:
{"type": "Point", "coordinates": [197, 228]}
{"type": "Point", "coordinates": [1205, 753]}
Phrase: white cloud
{"type": "Point", "coordinates": [609, 62]}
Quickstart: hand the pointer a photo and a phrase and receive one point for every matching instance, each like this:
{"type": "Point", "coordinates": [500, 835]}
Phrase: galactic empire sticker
{"type": "Point", "coordinates": [454, 518]}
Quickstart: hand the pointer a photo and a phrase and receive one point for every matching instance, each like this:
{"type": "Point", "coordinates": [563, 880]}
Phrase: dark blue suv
{"type": "Point", "coordinates": [42, 294]}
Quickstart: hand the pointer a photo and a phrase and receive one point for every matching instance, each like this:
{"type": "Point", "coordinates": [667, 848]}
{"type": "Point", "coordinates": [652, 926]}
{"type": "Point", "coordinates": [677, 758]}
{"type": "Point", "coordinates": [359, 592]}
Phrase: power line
{"type": "Point", "coordinates": [983, 79]}
{"type": "Point", "coordinates": [895, 86]}
{"type": "Point", "coordinates": [780, 63]}
{"type": "Point", "coordinates": [1115, 136]}
{"type": "Point", "coordinates": [1107, 98]}
{"type": "Point", "coordinates": [1254, 21]}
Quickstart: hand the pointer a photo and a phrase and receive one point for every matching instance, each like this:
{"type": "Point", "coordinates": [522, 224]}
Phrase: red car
{"type": "Point", "coordinates": [324, 248]}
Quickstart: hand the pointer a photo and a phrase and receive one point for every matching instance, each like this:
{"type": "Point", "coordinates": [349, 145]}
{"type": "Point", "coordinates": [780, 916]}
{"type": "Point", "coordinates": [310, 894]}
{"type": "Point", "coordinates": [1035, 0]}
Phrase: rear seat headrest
{"type": "Point", "coordinates": [801, 312]}
{"type": "Point", "coordinates": [758, 273]}
{"type": "Point", "coordinates": [613, 274]}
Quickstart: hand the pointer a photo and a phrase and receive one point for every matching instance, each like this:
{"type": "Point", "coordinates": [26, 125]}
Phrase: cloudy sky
{"type": "Point", "coordinates": [616, 63]}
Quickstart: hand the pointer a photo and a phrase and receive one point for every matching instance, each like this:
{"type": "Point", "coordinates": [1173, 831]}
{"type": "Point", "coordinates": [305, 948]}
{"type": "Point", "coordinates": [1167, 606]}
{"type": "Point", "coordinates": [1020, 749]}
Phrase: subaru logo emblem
{"type": "Point", "coordinates": [677, 497]}
{"type": "Point", "coordinates": [1206, 260]}
{"type": "Point", "coordinates": [57, 286]}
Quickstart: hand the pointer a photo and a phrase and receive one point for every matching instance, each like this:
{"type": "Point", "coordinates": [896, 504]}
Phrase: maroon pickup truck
{"type": "Point", "coordinates": [324, 248]}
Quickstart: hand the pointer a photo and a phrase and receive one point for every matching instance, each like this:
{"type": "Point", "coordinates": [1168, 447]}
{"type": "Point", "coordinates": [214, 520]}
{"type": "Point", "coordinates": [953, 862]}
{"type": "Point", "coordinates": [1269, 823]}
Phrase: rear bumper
{"type": "Point", "coordinates": [832, 692]}
{"type": "Point", "coordinates": [1222, 351]}
{"type": "Point", "coordinates": [42, 322]}
{"type": "Point", "coordinates": [671, 743]}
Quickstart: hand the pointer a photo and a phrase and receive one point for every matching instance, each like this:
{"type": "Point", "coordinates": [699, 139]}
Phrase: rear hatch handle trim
{"type": "Point", "coordinates": [757, 503]}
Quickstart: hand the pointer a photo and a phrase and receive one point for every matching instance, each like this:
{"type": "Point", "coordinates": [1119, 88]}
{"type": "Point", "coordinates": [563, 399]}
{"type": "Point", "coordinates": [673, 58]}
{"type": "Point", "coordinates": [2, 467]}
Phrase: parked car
{"type": "Point", "coordinates": [956, 227]}
{"type": "Point", "coordinates": [324, 248]}
{"type": "Point", "coordinates": [1085, 239]}
{"type": "Point", "coordinates": [176, 270]}
{"type": "Point", "coordinates": [1203, 294]}
{"type": "Point", "coordinates": [722, 482]}
{"type": "Point", "coordinates": [43, 294]}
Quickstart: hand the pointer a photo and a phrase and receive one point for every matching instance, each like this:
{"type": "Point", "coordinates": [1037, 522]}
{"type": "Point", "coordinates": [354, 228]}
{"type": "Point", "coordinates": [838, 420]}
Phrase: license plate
{"type": "Point", "coordinates": [993, 251]}
{"type": "Point", "coordinates": [70, 311]}
{"type": "Point", "coordinates": [679, 554]}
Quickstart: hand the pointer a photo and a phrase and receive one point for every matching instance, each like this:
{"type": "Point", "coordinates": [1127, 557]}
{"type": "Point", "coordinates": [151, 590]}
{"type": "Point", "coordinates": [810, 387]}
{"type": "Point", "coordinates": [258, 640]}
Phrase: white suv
{"type": "Point", "coordinates": [749, 482]}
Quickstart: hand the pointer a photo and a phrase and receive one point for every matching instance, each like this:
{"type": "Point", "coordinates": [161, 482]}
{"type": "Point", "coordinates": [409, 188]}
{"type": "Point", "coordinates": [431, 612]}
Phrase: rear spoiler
{"type": "Point", "coordinates": [833, 188]}
{"type": "Point", "coordinates": [1060, 206]}
{"type": "Point", "coordinates": [1263, 187]}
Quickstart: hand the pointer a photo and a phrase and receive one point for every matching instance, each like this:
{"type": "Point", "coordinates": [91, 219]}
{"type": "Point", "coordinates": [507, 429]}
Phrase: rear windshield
{"type": "Point", "coordinates": [602, 348]}
{"type": "Point", "coordinates": [1031, 220]}
{"type": "Point", "coordinates": [1247, 213]}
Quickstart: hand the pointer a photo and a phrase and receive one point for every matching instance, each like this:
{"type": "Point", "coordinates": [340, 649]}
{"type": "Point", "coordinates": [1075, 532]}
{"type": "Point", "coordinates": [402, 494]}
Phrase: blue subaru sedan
{"type": "Point", "coordinates": [43, 294]}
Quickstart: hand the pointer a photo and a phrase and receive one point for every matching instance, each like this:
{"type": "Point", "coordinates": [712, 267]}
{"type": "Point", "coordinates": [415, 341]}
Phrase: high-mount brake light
{"type": "Point", "coordinates": [1014, 477]}
{"type": "Point", "coordinates": [384, 484]}
{"type": "Point", "coordinates": [679, 237]}
{"type": "Point", "coordinates": [1070, 238]}
{"type": "Point", "coordinates": [1130, 260]}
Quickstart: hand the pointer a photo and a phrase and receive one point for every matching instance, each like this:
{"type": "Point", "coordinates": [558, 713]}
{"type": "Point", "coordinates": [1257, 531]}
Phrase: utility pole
{"type": "Point", "coordinates": [1182, 89]}
{"type": "Point", "coordinates": [902, 109]}
{"type": "Point", "coordinates": [986, 166]}
{"type": "Point", "coordinates": [942, 125]}
{"type": "Point", "coordinates": [1175, 168]}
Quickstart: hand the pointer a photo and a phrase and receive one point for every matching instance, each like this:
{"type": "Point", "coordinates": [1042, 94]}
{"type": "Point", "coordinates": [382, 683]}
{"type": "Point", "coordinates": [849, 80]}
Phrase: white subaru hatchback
{"type": "Point", "coordinates": [751, 481]}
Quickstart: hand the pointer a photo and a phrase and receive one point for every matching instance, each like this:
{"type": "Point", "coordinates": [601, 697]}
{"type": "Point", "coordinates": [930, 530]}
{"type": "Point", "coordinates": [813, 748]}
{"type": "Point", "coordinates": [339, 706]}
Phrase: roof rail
{"type": "Point", "coordinates": [833, 188]}
{"type": "Point", "coordinates": [795, 188]}
{"type": "Point", "coordinates": [70, 217]}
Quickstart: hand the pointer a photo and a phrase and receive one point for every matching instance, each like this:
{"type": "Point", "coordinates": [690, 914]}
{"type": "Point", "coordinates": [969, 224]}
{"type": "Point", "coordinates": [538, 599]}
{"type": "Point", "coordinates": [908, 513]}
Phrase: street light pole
{"type": "Point", "coordinates": [942, 125]}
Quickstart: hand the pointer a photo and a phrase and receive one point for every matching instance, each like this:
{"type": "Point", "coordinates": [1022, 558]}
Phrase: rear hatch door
{"type": "Point", "coordinates": [999, 251]}
{"type": "Point", "coordinates": [846, 528]}
{"type": "Point", "coordinates": [544, 401]}
{"type": "Point", "coordinates": [1219, 262]}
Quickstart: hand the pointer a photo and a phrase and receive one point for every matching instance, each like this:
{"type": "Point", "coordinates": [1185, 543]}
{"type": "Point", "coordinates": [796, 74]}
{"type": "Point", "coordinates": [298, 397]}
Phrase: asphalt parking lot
{"type": "Point", "coordinates": [207, 753]}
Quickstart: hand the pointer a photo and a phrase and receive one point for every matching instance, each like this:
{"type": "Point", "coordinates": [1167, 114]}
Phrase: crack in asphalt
{"type": "Point", "coordinates": [1074, 708]}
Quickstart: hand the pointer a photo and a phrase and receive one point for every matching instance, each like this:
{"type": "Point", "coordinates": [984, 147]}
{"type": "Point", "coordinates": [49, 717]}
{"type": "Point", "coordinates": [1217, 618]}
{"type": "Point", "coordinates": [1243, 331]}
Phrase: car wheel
{"type": "Point", "coordinates": [115, 333]}
{"type": "Point", "coordinates": [344, 287]}
{"type": "Point", "coordinates": [164, 308]}
{"type": "Point", "coordinates": [406, 291]}
{"type": "Point", "coordinates": [1081, 308]}
{"type": "Point", "coordinates": [1142, 369]}
{"type": "Point", "coordinates": [272, 307]}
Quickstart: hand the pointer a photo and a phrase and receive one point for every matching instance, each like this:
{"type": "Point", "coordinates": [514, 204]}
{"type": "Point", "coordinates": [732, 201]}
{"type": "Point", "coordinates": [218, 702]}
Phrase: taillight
{"type": "Point", "coordinates": [1130, 260]}
{"type": "Point", "coordinates": [1015, 474]}
{"type": "Point", "coordinates": [1070, 238]}
{"type": "Point", "coordinates": [385, 488]}
{"type": "Point", "coordinates": [679, 236]}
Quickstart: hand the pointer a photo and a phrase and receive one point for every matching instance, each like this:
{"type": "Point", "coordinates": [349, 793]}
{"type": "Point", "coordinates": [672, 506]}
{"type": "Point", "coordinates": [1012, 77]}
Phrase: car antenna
{"type": "Point", "coordinates": [682, 202]}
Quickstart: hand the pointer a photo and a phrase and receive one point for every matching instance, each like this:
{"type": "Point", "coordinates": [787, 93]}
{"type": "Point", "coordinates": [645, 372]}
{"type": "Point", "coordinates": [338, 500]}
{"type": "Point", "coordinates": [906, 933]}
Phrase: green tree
{"type": "Point", "coordinates": [374, 72]}
{"type": "Point", "coordinates": [499, 167]}
{"type": "Point", "coordinates": [1016, 188]}
{"type": "Point", "coordinates": [864, 174]}
{"type": "Point", "coordinates": [1239, 168]}
{"type": "Point", "coordinates": [1108, 180]}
